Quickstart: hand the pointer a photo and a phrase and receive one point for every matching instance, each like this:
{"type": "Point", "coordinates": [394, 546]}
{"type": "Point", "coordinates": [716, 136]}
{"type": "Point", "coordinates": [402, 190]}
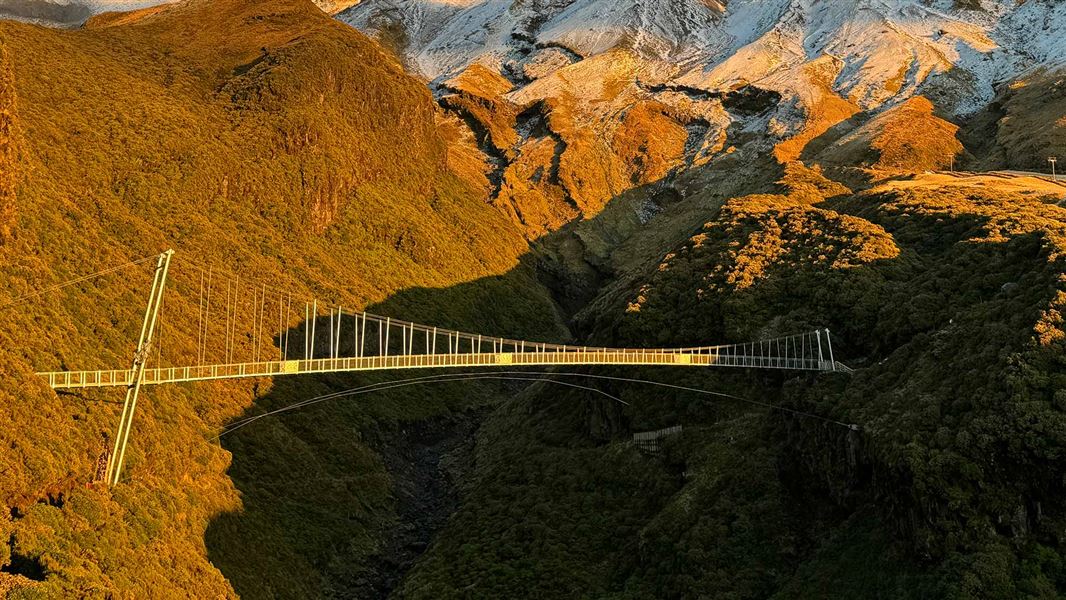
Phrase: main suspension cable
{"type": "Point", "coordinates": [768, 405]}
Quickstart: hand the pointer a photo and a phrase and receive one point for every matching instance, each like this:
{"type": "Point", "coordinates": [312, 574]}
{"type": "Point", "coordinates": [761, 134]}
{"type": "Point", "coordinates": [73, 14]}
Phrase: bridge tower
{"type": "Point", "coordinates": [140, 359]}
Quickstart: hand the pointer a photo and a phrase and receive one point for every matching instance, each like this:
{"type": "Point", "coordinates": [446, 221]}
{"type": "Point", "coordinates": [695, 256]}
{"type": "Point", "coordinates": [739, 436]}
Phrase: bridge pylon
{"type": "Point", "coordinates": [140, 360]}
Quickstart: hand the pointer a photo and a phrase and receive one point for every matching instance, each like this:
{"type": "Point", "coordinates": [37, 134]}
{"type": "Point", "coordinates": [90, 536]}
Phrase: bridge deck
{"type": "Point", "coordinates": [124, 377]}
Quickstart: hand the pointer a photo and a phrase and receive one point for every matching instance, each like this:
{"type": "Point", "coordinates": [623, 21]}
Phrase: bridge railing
{"type": "Point", "coordinates": [767, 354]}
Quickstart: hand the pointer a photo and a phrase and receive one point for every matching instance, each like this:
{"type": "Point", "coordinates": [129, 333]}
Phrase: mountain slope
{"type": "Point", "coordinates": [265, 140]}
{"type": "Point", "coordinates": [884, 47]}
{"type": "Point", "coordinates": [746, 77]}
{"type": "Point", "coordinates": [948, 299]}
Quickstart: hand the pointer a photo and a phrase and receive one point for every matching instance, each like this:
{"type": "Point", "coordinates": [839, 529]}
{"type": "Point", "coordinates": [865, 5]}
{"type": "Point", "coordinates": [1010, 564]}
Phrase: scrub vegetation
{"type": "Point", "coordinates": [264, 139]}
{"type": "Point", "coordinates": [257, 138]}
{"type": "Point", "coordinates": [949, 301]}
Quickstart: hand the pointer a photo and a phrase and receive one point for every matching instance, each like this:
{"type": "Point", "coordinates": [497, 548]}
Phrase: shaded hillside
{"type": "Point", "coordinates": [257, 138]}
{"type": "Point", "coordinates": [1031, 121]}
{"type": "Point", "coordinates": [948, 300]}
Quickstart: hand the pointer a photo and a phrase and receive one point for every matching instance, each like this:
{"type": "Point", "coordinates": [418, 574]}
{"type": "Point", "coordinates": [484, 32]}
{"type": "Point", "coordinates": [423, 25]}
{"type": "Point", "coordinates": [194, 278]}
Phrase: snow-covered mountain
{"type": "Point", "coordinates": [605, 95]}
{"type": "Point", "coordinates": [65, 13]}
{"type": "Point", "coordinates": [574, 102]}
{"type": "Point", "coordinates": [880, 48]}
{"type": "Point", "coordinates": [73, 13]}
{"type": "Point", "coordinates": [689, 81]}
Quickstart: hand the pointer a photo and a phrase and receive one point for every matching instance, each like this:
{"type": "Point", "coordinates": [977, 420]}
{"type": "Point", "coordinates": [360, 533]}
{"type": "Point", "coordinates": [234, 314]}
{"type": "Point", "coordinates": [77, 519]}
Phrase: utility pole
{"type": "Point", "coordinates": [1053, 160]}
{"type": "Point", "coordinates": [140, 359]}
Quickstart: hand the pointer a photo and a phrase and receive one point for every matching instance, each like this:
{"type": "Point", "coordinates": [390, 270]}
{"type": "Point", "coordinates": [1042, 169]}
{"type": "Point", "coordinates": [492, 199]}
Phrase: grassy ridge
{"type": "Point", "coordinates": [260, 138]}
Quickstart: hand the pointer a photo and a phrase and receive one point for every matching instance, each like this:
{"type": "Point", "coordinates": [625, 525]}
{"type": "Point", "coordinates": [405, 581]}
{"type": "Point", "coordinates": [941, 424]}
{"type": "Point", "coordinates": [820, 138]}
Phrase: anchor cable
{"type": "Point", "coordinates": [388, 385]}
{"type": "Point", "coordinates": [511, 376]}
{"type": "Point", "coordinates": [81, 279]}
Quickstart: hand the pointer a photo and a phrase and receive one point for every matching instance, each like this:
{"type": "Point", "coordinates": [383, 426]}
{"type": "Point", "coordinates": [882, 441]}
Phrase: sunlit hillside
{"type": "Point", "coordinates": [259, 139]}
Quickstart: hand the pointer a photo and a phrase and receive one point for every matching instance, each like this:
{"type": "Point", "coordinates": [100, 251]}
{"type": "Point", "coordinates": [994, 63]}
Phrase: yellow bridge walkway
{"type": "Point", "coordinates": [726, 356]}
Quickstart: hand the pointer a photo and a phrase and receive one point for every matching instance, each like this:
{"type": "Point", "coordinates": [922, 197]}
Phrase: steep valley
{"type": "Point", "coordinates": [701, 173]}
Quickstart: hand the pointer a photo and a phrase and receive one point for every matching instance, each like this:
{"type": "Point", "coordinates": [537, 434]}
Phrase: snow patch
{"type": "Point", "coordinates": [888, 50]}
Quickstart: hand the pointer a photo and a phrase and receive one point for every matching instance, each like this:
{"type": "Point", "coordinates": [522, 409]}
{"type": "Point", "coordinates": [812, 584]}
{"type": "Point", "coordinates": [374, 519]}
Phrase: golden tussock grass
{"type": "Point", "coordinates": [909, 137]}
{"type": "Point", "coordinates": [912, 138]}
{"type": "Point", "coordinates": [649, 142]}
{"type": "Point", "coordinates": [823, 107]}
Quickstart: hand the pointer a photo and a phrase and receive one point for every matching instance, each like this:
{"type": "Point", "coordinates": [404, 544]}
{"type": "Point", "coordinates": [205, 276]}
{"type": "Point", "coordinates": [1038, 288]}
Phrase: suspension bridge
{"type": "Point", "coordinates": [234, 341]}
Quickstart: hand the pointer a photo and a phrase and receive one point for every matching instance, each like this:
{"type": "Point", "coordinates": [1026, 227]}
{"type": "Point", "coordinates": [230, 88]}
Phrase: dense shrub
{"type": "Point", "coordinates": [949, 303]}
{"type": "Point", "coordinates": [256, 138]}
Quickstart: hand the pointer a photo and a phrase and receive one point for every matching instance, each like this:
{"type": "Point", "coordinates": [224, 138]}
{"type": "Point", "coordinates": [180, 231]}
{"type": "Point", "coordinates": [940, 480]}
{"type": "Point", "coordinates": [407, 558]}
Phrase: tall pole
{"type": "Point", "coordinates": [362, 337]}
{"type": "Point", "coordinates": [829, 343]}
{"type": "Point", "coordinates": [821, 361]}
{"type": "Point", "coordinates": [140, 359]}
{"type": "Point", "coordinates": [1053, 160]}
{"type": "Point", "coordinates": [314, 318]}
{"type": "Point", "coordinates": [337, 338]}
